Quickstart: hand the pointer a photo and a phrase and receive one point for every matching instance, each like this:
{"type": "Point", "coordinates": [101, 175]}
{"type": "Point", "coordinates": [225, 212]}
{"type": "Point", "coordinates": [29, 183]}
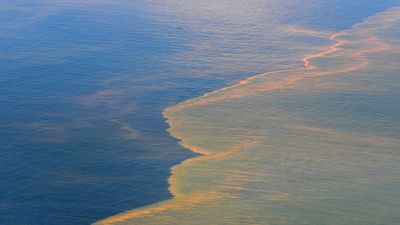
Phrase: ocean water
{"type": "Point", "coordinates": [83, 85]}
{"type": "Point", "coordinates": [318, 144]}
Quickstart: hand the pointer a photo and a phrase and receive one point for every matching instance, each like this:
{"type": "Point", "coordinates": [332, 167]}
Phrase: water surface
{"type": "Point", "coordinates": [318, 144]}
{"type": "Point", "coordinates": [83, 85]}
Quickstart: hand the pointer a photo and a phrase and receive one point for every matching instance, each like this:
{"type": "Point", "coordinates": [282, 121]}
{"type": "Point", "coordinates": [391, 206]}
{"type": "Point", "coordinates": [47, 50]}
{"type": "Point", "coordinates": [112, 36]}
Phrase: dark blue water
{"type": "Point", "coordinates": [83, 86]}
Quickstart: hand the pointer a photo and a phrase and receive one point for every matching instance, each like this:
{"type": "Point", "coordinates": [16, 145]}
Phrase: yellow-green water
{"type": "Point", "coordinates": [313, 145]}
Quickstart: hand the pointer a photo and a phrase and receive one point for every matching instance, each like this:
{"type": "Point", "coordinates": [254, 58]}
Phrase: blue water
{"type": "Point", "coordinates": [82, 88]}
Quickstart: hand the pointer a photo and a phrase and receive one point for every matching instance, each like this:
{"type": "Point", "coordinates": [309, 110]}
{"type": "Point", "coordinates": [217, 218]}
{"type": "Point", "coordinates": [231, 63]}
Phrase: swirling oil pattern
{"type": "Point", "coordinates": [84, 84]}
{"type": "Point", "coordinates": [318, 144]}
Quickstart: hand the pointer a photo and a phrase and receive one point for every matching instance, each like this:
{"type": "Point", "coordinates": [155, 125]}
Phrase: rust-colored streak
{"type": "Point", "coordinates": [251, 86]}
{"type": "Point", "coordinates": [183, 201]}
{"type": "Point", "coordinates": [334, 48]}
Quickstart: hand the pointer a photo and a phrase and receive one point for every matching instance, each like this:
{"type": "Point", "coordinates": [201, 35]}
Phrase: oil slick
{"type": "Point", "coordinates": [301, 146]}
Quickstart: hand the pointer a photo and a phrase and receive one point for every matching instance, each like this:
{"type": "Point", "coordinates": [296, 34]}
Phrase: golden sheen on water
{"type": "Point", "coordinates": [317, 144]}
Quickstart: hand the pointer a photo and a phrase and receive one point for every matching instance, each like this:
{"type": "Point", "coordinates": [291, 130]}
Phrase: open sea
{"type": "Point", "coordinates": [100, 99]}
